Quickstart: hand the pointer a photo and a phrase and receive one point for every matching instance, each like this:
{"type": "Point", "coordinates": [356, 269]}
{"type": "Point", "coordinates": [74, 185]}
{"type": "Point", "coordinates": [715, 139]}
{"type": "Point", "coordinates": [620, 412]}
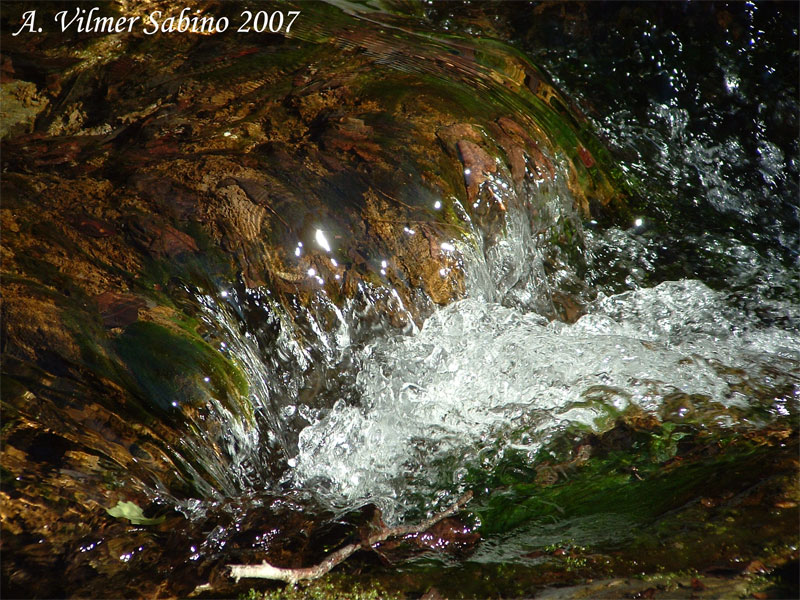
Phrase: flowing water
{"type": "Point", "coordinates": [689, 313]}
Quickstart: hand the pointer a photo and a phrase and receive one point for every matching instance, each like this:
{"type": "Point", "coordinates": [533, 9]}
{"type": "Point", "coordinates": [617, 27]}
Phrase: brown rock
{"type": "Point", "coordinates": [478, 166]}
{"type": "Point", "coordinates": [452, 134]}
{"type": "Point", "coordinates": [119, 310]}
{"type": "Point", "coordinates": [161, 239]}
{"type": "Point", "coordinates": [96, 228]}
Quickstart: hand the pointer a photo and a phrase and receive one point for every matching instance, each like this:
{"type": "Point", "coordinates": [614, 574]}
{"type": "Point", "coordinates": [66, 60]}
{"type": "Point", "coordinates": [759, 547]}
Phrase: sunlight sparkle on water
{"type": "Point", "coordinates": [322, 241]}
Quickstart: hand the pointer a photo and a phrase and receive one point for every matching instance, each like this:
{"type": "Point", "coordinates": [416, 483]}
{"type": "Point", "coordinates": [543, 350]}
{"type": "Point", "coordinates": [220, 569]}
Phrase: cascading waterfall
{"type": "Point", "coordinates": [481, 378]}
{"type": "Point", "coordinates": [262, 290]}
{"type": "Point", "coordinates": [300, 366]}
{"type": "Point", "coordinates": [410, 413]}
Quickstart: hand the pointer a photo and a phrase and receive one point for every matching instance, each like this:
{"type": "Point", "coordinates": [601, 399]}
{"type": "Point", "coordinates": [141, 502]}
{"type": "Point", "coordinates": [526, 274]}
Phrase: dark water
{"type": "Point", "coordinates": [707, 122]}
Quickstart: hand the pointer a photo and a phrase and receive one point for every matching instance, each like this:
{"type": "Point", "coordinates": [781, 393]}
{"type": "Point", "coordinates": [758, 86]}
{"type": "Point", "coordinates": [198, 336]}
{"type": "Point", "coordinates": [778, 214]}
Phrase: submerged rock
{"type": "Point", "coordinates": [179, 208]}
{"type": "Point", "coordinates": [148, 178]}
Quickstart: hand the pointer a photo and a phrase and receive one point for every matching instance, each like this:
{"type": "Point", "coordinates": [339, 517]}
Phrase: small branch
{"type": "Point", "coordinates": [267, 571]}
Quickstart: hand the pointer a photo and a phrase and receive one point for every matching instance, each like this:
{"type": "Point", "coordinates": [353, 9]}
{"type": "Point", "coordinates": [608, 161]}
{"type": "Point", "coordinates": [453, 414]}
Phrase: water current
{"type": "Point", "coordinates": [547, 253]}
{"type": "Point", "coordinates": [691, 312]}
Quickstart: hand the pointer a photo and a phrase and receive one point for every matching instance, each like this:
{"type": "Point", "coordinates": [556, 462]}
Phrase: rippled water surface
{"type": "Point", "coordinates": [568, 323]}
{"type": "Point", "coordinates": [693, 310]}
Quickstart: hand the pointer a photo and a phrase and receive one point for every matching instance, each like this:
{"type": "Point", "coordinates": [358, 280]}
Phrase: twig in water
{"type": "Point", "coordinates": [267, 571]}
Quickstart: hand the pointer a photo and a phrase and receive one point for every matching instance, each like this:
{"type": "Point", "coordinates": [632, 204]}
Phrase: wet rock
{"type": "Point", "coordinates": [167, 195]}
{"type": "Point", "coordinates": [452, 134]}
{"type": "Point", "coordinates": [21, 104]}
{"type": "Point", "coordinates": [586, 157]}
{"type": "Point", "coordinates": [521, 141]}
{"type": "Point", "coordinates": [92, 227]}
{"type": "Point", "coordinates": [478, 166]}
{"type": "Point", "coordinates": [32, 324]}
{"type": "Point", "coordinates": [161, 239]}
{"type": "Point", "coordinates": [451, 535]}
{"type": "Point", "coordinates": [347, 134]}
{"type": "Point", "coordinates": [119, 310]}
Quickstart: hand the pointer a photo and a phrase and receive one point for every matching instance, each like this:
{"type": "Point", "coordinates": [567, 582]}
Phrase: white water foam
{"type": "Point", "coordinates": [478, 374]}
{"type": "Point", "coordinates": [489, 373]}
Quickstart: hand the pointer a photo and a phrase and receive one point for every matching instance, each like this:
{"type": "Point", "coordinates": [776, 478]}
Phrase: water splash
{"type": "Point", "coordinates": [479, 375]}
{"type": "Point", "coordinates": [373, 414]}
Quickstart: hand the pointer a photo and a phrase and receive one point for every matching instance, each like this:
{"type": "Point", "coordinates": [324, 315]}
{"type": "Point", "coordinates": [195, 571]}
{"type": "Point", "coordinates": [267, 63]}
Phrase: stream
{"type": "Point", "coordinates": [597, 376]}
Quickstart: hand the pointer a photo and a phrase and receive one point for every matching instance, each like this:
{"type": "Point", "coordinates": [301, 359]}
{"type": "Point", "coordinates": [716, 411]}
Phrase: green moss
{"type": "Point", "coordinates": [628, 483]}
{"type": "Point", "coordinates": [330, 587]}
{"type": "Point", "coordinates": [170, 367]}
